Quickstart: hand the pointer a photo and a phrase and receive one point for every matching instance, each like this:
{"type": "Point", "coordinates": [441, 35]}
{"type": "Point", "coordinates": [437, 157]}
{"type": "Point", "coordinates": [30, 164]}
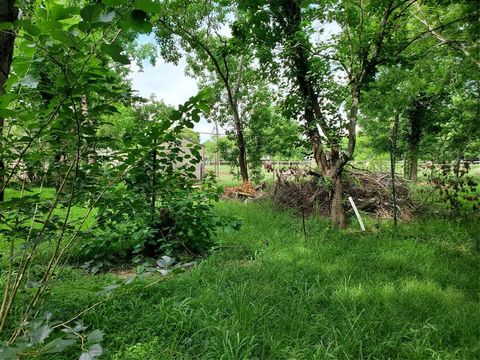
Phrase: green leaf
{"type": "Point", "coordinates": [29, 27]}
{"type": "Point", "coordinates": [91, 13]}
{"type": "Point", "coordinates": [62, 36]}
{"type": "Point", "coordinates": [95, 336]}
{"type": "Point", "coordinates": [6, 26]}
{"type": "Point", "coordinates": [39, 335]}
{"type": "Point", "coordinates": [137, 21]}
{"type": "Point", "coordinates": [58, 345]}
{"type": "Point", "coordinates": [58, 12]}
{"type": "Point", "coordinates": [114, 2]}
{"type": "Point", "coordinates": [93, 353]}
{"type": "Point", "coordinates": [148, 6]}
{"type": "Point", "coordinates": [49, 25]}
{"type": "Point", "coordinates": [114, 51]}
{"type": "Point", "coordinates": [204, 107]}
{"type": "Point", "coordinates": [176, 115]}
{"type": "Point", "coordinates": [84, 26]}
{"type": "Point", "coordinates": [5, 113]}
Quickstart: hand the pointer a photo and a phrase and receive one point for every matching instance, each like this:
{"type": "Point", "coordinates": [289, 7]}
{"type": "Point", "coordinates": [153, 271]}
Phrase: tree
{"type": "Point", "coordinates": [191, 135]}
{"type": "Point", "coordinates": [196, 27]}
{"type": "Point", "coordinates": [423, 96]}
{"type": "Point", "coordinates": [8, 14]}
{"type": "Point", "coordinates": [364, 42]}
{"type": "Point", "coordinates": [78, 45]}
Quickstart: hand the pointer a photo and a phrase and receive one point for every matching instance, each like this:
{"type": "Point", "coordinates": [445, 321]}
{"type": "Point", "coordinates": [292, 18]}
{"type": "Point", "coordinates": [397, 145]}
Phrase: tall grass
{"type": "Point", "coordinates": [269, 293]}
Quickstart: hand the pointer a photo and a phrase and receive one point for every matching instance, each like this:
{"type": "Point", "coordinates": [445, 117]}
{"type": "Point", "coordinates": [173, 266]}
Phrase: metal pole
{"type": "Point", "coordinates": [217, 158]}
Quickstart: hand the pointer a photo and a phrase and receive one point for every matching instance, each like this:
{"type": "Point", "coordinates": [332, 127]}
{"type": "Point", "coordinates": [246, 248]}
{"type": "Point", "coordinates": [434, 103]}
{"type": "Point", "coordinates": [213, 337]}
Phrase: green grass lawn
{"type": "Point", "coordinates": [269, 294]}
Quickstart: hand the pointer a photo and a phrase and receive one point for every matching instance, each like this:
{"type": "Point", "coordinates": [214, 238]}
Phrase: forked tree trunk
{"type": "Point", "coordinates": [8, 13]}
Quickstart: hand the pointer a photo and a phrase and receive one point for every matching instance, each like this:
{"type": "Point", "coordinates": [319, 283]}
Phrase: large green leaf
{"type": "Point", "coordinates": [59, 12]}
{"type": "Point", "coordinates": [91, 13]}
{"type": "Point", "coordinates": [137, 20]}
{"type": "Point", "coordinates": [58, 345]}
{"type": "Point", "coordinates": [115, 52]}
{"type": "Point", "coordinates": [148, 6]}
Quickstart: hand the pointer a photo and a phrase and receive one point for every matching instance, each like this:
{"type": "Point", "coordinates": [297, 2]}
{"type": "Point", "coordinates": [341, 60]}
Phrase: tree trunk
{"type": "Point", "coordinates": [414, 164]}
{"type": "Point", "coordinates": [456, 167]}
{"type": "Point", "coordinates": [337, 212]}
{"type": "Point", "coordinates": [8, 13]}
{"type": "Point", "coordinates": [406, 171]}
{"type": "Point", "coordinates": [393, 159]}
{"type": "Point", "coordinates": [154, 181]}
{"type": "Point", "coordinates": [413, 141]}
{"type": "Point", "coordinates": [314, 117]}
{"type": "Point", "coordinates": [242, 154]}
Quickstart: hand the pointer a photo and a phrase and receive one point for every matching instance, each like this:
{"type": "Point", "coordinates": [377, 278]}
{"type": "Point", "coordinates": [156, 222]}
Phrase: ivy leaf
{"type": "Point", "coordinates": [114, 51]}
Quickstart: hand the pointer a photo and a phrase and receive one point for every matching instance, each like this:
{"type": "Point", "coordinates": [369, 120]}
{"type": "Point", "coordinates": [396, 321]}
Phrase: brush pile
{"type": "Point", "coordinates": [370, 191]}
{"type": "Point", "coordinates": [243, 192]}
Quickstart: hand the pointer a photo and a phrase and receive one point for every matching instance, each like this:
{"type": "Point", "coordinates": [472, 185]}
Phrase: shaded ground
{"type": "Point", "coordinates": [268, 294]}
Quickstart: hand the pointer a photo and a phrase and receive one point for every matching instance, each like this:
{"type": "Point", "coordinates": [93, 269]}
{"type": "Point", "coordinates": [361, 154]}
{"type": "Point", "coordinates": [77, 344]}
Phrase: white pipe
{"type": "Point", "coordinates": [356, 213]}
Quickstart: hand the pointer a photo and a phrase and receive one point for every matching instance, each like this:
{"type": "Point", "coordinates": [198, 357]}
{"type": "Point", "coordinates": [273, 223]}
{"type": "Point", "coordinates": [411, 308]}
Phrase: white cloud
{"type": "Point", "coordinates": [166, 81]}
{"type": "Point", "coordinates": [169, 83]}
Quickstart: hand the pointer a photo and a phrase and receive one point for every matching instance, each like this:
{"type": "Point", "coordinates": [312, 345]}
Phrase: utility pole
{"type": "Point", "coordinates": [217, 157]}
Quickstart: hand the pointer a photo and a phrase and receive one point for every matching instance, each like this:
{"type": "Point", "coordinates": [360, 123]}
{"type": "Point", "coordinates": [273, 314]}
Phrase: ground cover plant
{"type": "Point", "coordinates": [125, 232]}
{"type": "Point", "coordinates": [269, 293]}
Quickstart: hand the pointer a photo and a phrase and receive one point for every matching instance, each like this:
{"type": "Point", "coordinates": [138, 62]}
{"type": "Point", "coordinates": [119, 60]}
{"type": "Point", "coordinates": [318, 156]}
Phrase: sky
{"type": "Point", "coordinates": [167, 82]}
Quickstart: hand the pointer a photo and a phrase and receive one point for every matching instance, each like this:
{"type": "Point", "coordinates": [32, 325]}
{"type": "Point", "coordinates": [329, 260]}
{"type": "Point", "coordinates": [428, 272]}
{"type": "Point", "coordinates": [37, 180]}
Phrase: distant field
{"type": "Point", "coordinates": [227, 179]}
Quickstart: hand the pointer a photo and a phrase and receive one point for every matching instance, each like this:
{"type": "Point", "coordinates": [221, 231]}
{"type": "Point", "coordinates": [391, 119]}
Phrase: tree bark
{"type": "Point", "coordinates": [8, 13]}
{"type": "Point", "coordinates": [337, 211]}
{"type": "Point", "coordinates": [393, 159]}
{"type": "Point", "coordinates": [414, 138]}
{"type": "Point", "coordinates": [242, 153]}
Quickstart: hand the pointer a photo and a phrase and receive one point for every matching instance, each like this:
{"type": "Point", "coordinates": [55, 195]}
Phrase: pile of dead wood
{"type": "Point", "coordinates": [244, 191]}
{"type": "Point", "coordinates": [371, 192]}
